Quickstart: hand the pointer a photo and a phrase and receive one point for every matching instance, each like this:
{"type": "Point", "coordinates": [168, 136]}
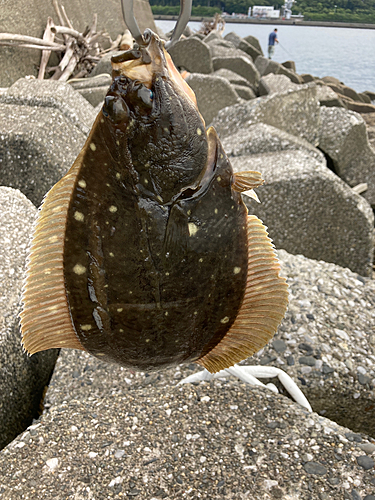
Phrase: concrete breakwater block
{"type": "Point", "coordinates": [213, 93]}
{"type": "Point", "coordinates": [234, 78]}
{"type": "Point", "coordinates": [261, 138]}
{"type": "Point", "coordinates": [310, 211]}
{"type": "Point", "coordinates": [22, 379]}
{"type": "Point", "coordinates": [193, 55]}
{"type": "Point", "coordinates": [239, 64]}
{"type": "Point", "coordinates": [43, 126]}
{"type": "Point", "coordinates": [242, 44]}
{"type": "Point", "coordinates": [272, 84]}
{"type": "Point", "coordinates": [223, 440]}
{"type": "Point", "coordinates": [51, 94]}
{"type": "Point", "coordinates": [295, 111]}
{"type": "Point", "coordinates": [224, 48]}
{"type": "Point", "coordinates": [343, 137]}
{"type": "Point", "coordinates": [266, 66]}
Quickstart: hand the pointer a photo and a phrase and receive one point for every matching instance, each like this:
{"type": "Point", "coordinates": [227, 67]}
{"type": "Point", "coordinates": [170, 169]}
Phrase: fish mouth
{"type": "Point", "coordinates": [144, 64]}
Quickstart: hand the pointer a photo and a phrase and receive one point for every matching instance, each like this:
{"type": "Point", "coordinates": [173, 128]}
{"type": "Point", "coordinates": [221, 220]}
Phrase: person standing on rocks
{"type": "Point", "coordinates": [272, 39]}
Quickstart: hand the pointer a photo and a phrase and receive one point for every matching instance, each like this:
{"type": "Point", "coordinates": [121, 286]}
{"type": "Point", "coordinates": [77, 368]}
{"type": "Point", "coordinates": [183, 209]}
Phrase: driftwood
{"type": "Point", "coordinates": [78, 53]}
{"type": "Point", "coordinates": [217, 24]}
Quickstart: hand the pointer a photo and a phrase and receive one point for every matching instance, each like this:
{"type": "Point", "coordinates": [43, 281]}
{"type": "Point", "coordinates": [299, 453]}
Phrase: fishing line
{"type": "Point", "coordinates": [282, 46]}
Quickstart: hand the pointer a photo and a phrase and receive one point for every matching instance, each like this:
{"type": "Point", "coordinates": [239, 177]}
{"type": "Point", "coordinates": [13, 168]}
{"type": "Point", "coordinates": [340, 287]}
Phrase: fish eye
{"type": "Point", "coordinates": [146, 96]}
{"type": "Point", "coordinates": [116, 109]}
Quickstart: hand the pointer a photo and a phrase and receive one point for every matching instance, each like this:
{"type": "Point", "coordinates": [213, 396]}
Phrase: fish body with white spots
{"type": "Point", "coordinates": [144, 253]}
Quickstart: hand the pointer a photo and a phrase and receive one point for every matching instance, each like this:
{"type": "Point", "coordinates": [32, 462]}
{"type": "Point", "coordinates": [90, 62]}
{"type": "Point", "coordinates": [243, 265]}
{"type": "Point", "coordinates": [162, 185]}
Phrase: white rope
{"type": "Point", "coordinates": [249, 374]}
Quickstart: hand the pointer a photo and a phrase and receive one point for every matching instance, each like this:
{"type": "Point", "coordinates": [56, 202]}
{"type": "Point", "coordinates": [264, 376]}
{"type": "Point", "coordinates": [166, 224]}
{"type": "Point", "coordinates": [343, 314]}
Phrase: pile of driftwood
{"type": "Point", "coordinates": [77, 52]}
{"type": "Point", "coordinates": [217, 24]}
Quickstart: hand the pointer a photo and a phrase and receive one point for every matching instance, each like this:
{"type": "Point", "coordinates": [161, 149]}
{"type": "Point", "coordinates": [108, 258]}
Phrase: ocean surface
{"type": "Point", "coordinates": [345, 53]}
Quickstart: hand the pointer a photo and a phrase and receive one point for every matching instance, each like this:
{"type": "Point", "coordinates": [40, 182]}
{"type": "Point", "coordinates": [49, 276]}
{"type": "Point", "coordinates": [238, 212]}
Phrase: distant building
{"type": "Point", "coordinates": [265, 11]}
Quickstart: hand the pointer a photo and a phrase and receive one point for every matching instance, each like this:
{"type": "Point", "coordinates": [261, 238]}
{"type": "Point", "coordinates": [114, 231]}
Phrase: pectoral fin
{"type": "Point", "coordinates": [245, 181]}
{"type": "Point", "coordinates": [263, 306]}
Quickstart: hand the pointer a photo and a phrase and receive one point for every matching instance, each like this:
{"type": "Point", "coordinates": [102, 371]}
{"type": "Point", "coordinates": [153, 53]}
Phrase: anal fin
{"type": "Point", "coordinates": [263, 306]}
{"type": "Point", "coordinates": [45, 318]}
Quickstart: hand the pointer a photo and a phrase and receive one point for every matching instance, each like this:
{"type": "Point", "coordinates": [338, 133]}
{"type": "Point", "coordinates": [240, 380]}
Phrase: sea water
{"type": "Point", "coordinates": [345, 53]}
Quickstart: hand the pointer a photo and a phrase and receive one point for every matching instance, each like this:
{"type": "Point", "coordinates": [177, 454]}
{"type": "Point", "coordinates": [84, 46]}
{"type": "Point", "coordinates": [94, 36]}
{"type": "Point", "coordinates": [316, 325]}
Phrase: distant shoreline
{"type": "Point", "coordinates": [291, 22]}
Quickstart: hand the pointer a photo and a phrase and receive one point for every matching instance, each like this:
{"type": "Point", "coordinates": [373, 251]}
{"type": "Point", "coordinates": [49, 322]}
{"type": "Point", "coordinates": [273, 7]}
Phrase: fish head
{"type": "Point", "coordinates": [152, 117]}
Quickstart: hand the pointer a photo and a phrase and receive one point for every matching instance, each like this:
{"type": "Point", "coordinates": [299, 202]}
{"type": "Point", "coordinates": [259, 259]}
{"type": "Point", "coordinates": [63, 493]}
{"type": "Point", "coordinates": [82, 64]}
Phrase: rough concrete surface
{"type": "Point", "coordinates": [262, 138]}
{"type": "Point", "coordinates": [239, 64]}
{"type": "Point", "coordinates": [343, 137]}
{"type": "Point", "coordinates": [242, 44]}
{"type": "Point", "coordinates": [43, 126]}
{"type": "Point", "coordinates": [295, 111]}
{"type": "Point", "coordinates": [213, 93]}
{"type": "Point", "coordinates": [271, 84]}
{"type": "Point", "coordinates": [51, 94]}
{"type": "Point", "coordinates": [193, 55]}
{"type": "Point", "coordinates": [33, 148]}
{"type": "Point", "coordinates": [310, 211]}
{"type": "Point", "coordinates": [212, 441]}
{"type": "Point", "coordinates": [22, 379]}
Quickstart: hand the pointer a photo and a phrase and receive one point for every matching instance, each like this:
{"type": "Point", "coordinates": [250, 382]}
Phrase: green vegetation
{"type": "Point", "coordinates": [353, 11]}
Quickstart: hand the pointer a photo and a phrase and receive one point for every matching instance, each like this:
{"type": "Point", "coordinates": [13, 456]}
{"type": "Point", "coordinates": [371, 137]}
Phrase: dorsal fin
{"type": "Point", "coordinates": [45, 318]}
{"type": "Point", "coordinates": [263, 306]}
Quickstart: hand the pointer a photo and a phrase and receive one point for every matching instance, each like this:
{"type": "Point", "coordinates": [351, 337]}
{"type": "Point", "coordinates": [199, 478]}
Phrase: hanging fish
{"type": "Point", "coordinates": [144, 253]}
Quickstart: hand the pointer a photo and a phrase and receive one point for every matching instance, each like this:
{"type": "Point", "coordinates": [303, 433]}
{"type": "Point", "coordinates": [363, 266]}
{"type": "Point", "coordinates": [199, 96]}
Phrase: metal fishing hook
{"type": "Point", "coordinates": [131, 23]}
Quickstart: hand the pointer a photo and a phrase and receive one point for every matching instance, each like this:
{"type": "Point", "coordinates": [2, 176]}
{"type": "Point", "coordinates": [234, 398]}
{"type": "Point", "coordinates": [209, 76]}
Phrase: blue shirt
{"type": "Point", "coordinates": [272, 38]}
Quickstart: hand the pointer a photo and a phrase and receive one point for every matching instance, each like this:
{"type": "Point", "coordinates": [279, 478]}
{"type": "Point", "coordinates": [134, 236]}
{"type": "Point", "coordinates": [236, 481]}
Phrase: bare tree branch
{"type": "Point", "coordinates": [49, 37]}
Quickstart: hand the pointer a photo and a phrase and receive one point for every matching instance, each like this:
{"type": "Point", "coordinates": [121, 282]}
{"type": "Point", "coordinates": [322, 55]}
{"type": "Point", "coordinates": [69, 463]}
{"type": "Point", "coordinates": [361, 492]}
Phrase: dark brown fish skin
{"type": "Point", "coordinates": [155, 257]}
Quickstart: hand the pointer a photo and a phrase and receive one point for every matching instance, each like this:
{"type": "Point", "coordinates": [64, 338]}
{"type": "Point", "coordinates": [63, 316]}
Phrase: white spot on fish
{"type": "Point", "coordinates": [236, 270]}
{"type": "Point", "coordinates": [201, 260]}
{"type": "Point", "coordinates": [118, 175]}
{"type": "Point", "coordinates": [121, 330]}
{"type": "Point", "coordinates": [92, 146]}
{"type": "Point", "coordinates": [146, 181]}
{"type": "Point", "coordinates": [100, 354]}
{"type": "Point", "coordinates": [120, 309]}
{"type": "Point", "coordinates": [221, 156]}
{"type": "Point", "coordinates": [82, 183]}
{"type": "Point", "coordinates": [86, 328]}
{"type": "Point", "coordinates": [79, 269]}
{"type": "Point", "coordinates": [216, 211]}
{"type": "Point", "coordinates": [148, 340]}
{"type": "Point", "coordinates": [167, 274]}
{"type": "Point", "coordinates": [193, 228]}
{"type": "Point", "coordinates": [113, 209]}
{"type": "Point", "coordinates": [195, 313]}
{"type": "Point", "coordinates": [111, 254]}
{"type": "Point", "coordinates": [199, 131]}
{"type": "Point", "coordinates": [189, 212]}
{"type": "Point", "coordinates": [118, 143]}
{"type": "Point", "coordinates": [130, 292]}
{"type": "Point", "coordinates": [224, 320]}
{"type": "Point", "coordinates": [79, 216]}
{"type": "Point", "coordinates": [166, 313]}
